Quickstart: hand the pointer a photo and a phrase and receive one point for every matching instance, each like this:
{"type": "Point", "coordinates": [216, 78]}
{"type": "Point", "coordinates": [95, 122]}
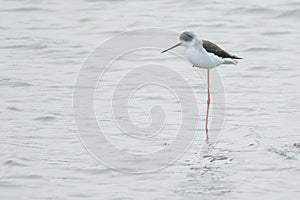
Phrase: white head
{"type": "Point", "coordinates": [187, 39]}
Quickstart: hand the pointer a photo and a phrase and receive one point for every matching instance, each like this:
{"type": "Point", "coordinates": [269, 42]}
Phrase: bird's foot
{"type": "Point", "coordinates": [206, 135]}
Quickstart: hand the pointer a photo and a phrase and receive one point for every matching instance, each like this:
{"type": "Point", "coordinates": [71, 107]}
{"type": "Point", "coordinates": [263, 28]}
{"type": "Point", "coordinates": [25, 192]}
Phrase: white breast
{"type": "Point", "coordinates": [199, 57]}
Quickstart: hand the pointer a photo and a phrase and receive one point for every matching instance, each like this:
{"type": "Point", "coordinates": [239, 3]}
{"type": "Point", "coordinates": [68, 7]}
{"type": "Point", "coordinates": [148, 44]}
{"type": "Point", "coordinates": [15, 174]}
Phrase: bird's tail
{"type": "Point", "coordinates": [230, 61]}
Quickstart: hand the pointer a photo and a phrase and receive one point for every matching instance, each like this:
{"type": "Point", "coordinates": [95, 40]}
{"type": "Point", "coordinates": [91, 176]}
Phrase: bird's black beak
{"type": "Point", "coordinates": [176, 45]}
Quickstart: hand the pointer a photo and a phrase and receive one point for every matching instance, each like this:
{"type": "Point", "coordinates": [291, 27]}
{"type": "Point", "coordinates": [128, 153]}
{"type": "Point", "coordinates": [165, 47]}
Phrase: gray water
{"type": "Point", "coordinates": [42, 47]}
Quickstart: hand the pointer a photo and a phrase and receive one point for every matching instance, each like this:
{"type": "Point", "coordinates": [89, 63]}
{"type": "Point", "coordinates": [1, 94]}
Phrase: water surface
{"type": "Point", "coordinates": [42, 47]}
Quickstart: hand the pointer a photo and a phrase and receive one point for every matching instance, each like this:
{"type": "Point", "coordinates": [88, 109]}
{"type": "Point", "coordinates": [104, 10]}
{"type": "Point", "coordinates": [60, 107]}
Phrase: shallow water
{"type": "Point", "coordinates": [42, 47]}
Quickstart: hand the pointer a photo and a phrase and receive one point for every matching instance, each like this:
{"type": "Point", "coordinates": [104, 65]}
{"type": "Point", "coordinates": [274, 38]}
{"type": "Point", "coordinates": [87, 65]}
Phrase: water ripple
{"type": "Point", "coordinates": [27, 9]}
{"type": "Point", "coordinates": [14, 163]}
{"type": "Point", "coordinates": [13, 108]}
{"type": "Point", "coordinates": [45, 119]}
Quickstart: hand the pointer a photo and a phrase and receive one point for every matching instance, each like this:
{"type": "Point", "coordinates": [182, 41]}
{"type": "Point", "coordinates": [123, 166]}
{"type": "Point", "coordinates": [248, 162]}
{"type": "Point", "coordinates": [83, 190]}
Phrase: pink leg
{"type": "Point", "coordinates": [208, 103]}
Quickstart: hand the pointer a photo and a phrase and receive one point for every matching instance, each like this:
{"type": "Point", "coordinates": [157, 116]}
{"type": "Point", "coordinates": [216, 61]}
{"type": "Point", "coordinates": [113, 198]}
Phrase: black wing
{"type": "Point", "coordinates": [215, 49]}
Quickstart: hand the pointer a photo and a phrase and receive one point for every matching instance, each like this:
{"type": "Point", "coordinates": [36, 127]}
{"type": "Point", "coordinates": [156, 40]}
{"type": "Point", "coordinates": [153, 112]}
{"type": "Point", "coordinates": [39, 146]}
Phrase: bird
{"type": "Point", "coordinates": [204, 54]}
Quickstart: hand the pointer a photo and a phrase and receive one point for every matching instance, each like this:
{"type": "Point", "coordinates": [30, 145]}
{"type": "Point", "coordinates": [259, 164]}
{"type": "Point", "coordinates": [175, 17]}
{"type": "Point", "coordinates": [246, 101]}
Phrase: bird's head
{"type": "Point", "coordinates": [187, 39]}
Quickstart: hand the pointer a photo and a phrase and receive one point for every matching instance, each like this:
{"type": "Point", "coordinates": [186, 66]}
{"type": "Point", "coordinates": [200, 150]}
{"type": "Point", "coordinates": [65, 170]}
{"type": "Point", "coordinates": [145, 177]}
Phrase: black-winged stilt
{"type": "Point", "coordinates": [204, 54]}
